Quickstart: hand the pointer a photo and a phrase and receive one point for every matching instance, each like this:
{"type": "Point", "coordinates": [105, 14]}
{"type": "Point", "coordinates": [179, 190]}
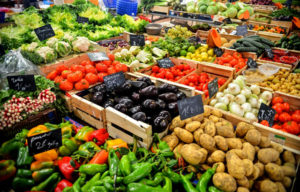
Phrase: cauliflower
{"type": "Point", "coordinates": [144, 57]}
{"type": "Point", "coordinates": [63, 48]}
{"type": "Point", "coordinates": [68, 37]}
{"type": "Point", "coordinates": [124, 53]}
{"type": "Point", "coordinates": [159, 53]}
{"type": "Point", "coordinates": [48, 54]}
{"type": "Point", "coordinates": [134, 50]}
{"type": "Point", "coordinates": [32, 46]}
{"type": "Point", "coordinates": [51, 42]}
{"type": "Point", "coordinates": [81, 44]}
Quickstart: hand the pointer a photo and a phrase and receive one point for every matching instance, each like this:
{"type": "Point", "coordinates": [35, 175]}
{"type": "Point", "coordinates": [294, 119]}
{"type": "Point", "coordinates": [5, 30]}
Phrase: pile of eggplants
{"type": "Point", "coordinates": [142, 101]}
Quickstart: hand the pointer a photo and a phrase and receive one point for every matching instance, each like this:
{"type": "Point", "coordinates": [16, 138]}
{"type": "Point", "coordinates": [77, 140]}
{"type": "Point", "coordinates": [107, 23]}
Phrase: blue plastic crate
{"type": "Point", "coordinates": [129, 7]}
{"type": "Point", "coordinates": [2, 17]}
{"type": "Point", "coordinates": [48, 2]}
{"type": "Point", "coordinates": [110, 3]}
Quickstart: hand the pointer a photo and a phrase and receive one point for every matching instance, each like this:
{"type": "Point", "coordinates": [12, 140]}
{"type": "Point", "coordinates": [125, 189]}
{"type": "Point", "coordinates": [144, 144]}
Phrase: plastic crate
{"type": "Point", "coordinates": [2, 17]}
{"type": "Point", "coordinates": [110, 3]}
{"type": "Point", "coordinates": [129, 7]}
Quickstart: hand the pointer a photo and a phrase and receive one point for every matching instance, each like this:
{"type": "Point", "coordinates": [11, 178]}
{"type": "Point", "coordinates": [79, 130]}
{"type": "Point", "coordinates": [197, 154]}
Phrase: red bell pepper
{"type": "Point", "coordinates": [99, 136]}
{"type": "Point", "coordinates": [100, 158]}
{"type": "Point", "coordinates": [67, 167]}
{"type": "Point", "coordinates": [62, 184]}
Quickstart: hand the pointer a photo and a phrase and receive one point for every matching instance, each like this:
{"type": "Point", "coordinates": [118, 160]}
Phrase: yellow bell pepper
{"type": "Point", "coordinates": [116, 143]}
{"type": "Point", "coordinates": [47, 155]}
{"type": "Point", "coordinates": [37, 130]}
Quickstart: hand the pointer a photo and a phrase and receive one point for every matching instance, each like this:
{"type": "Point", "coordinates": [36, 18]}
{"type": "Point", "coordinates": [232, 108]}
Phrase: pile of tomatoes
{"type": "Point", "coordinates": [200, 81]}
{"type": "Point", "coordinates": [172, 74]}
{"type": "Point", "coordinates": [285, 119]}
{"type": "Point", "coordinates": [235, 60]}
{"type": "Point", "coordinates": [81, 76]}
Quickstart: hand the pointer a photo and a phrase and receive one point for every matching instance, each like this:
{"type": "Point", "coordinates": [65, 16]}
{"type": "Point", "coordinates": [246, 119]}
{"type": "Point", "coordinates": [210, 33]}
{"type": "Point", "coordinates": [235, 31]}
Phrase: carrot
{"type": "Point", "coordinates": [99, 158]}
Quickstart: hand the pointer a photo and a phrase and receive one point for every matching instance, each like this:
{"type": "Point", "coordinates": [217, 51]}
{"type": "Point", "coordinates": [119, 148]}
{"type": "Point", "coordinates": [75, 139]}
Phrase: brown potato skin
{"type": "Point", "coordinates": [242, 128]}
{"type": "Point", "coordinates": [274, 171]}
{"type": "Point", "coordinates": [192, 126]}
{"type": "Point", "coordinates": [221, 143]}
{"type": "Point", "coordinates": [253, 136]}
{"type": "Point", "coordinates": [267, 155]}
{"type": "Point", "coordinates": [234, 143]}
{"type": "Point", "coordinates": [207, 142]}
{"type": "Point", "coordinates": [184, 135]}
{"type": "Point", "coordinates": [224, 182]}
{"type": "Point", "coordinates": [268, 186]}
{"type": "Point", "coordinates": [289, 157]}
{"type": "Point", "coordinates": [172, 141]}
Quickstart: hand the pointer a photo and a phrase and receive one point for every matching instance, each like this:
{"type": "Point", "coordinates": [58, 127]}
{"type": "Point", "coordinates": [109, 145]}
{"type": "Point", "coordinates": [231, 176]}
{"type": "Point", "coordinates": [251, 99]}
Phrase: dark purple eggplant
{"type": "Point", "coordinates": [164, 88]}
{"type": "Point", "coordinates": [168, 97]}
{"type": "Point", "coordinates": [108, 103]}
{"type": "Point", "coordinates": [161, 104]}
{"type": "Point", "coordinates": [172, 108]}
{"type": "Point", "coordinates": [150, 91]}
{"type": "Point", "coordinates": [135, 96]}
{"type": "Point", "coordinates": [97, 98]}
{"type": "Point", "coordinates": [127, 102]}
{"type": "Point", "coordinates": [118, 99]}
{"type": "Point", "coordinates": [180, 95]}
{"type": "Point", "coordinates": [160, 124]}
{"type": "Point", "coordinates": [121, 107]}
{"type": "Point", "coordinates": [135, 109]}
{"type": "Point", "coordinates": [99, 88]}
{"type": "Point", "coordinates": [137, 85]}
{"type": "Point", "coordinates": [140, 116]}
{"type": "Point", "coordinates": [149, 104]}
{"type": "Point", "coordinates": [146, 80]}
{"type": "Point", "coordinates": [125, 88]}
{"type": "Point", "coordinates": [165, 114]}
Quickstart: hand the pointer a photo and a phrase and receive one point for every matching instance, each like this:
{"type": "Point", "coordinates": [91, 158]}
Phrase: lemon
{"type": "Point", "coordinates": [205, 46]}
{"type": "Point", "coordinates": [188, 57]}
{"type": "Point", "coordinates": [210, 52]}
{"type": "Point", "coordinates": [209, 58]}
{"type": "Point", "coordinates": [189, 54]}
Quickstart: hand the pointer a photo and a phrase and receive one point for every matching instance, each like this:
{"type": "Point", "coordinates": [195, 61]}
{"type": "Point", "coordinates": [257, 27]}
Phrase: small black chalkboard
{"type": "Point", "coordinates": [266, 113]}
{"type": "Point", "coordinates": [114, 81]}
{"type": "Point", "coordinates": [241, 30]}
{"type": "Point", "coordinates": [44, 141]}
{"type": "Point", "coordinates": [137, 40]}
{"type": "Point", "coordinates": [251, 63]}
{"type": "Point", "coordinates": [82, 19]}
{"type": "Point", "coordinates": [227, 21]}
{"type": "Point", "coordinates": [165, 63]}
{"type": "Point", "coordinates": [44, 32]}
{"type": "Point", "coordinates": [190, 107]}
{"type": "Point", "coordinates": [213, 87]}
{"type": "Point", "coordinates": [22, 82]}
{"type": "Point", "coordinates": [98, 56]}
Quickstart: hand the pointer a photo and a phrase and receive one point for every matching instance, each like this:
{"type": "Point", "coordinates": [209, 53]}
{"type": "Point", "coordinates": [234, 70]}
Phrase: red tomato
{"type": "Point", "coordinates": [78, 68]}
{"type": "Point", "coordinates": [169, 75]}
{"type": "Point", "coordinates": [124, 68]}
{"type": "Point", "coordinates": [286, 107]}
{"type": "Point", "coordinates": [205, 86]}
{"type": "Point", "coordinates": [276, 126]}
{"type": "Point", "coordinates": [291, 127]}
{"type": "Point", "coordinates": [111, 56]}
{"type": "Point", "coordinates": [82, 84]}
{"type": "Point", "coordinates": [65, 73]}
{"type": "Point", "coordinates": [206, 93]}
{"type": "Point", "coordinates": [160, 75]}
{"type": "Point", "coordinates": [52, 75]}
{"type": "Point", "coordinates": [276, 117]}
{"type": "Point", "coordinates": [90, 69]}
{"type": "Point", "coordinates": [193, 78]}
{"type": "Point", "coordinates": [86, 62]}
{"type": "Point", "coordinates": [65, 85]}
{"type": "Point", "coordinates": [101, 76]}
{"type": "Point", "coordinates": [277, 108]}
{"type": "Point", "coordinates": [180, 67]}
{"type": "Point", "coordinates": [111, 70]}
{"type": "Point", "coordinates": [115, 62]}
{"type": "Point", "coordinates": [91, 78]}
{"type": "Point", "coordinates": [284, 117]}
{"type": "Point", "coordinates": [277, 100]}
{"type": "Point", "coordinates": [74, 77]}
{"type": "Point", "coordinates": [61, 68]}
{"type": "Point", "coordinates": [107, 63]}
{"type": "Point", "coordinates": [296, 117]}
{"type": "Point", "coordinates": [297, 112]}
{"type": "Point", "coordinates": [101, 67]}
{"type": "Point", "coordinates": [118, 67]}
{"type": "Point", "coordinates": [155, 69]}
{"type": "Point", "coordinates": [58, 79]}
{"type": "Point", "coordinates": [204, 74]}
{"type": "Point", "coordinates": [187, 67]}
{"type": "Point", "coordinates": [265, 123]}
{"type": "Point", "coordinates": [221, 81]}
{"type": "Point", "coordinates": [202, 79]}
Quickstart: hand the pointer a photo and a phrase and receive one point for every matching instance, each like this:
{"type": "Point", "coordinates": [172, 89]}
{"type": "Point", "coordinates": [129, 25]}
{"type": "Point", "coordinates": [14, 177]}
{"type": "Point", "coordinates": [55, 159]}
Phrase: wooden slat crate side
{"type": "Point", "coordinates": [270, 36]}
{"type": "Point", "coordinates": [68, 102]}
{"type": "Point", "coordinates": [161, 9]}
{"type": "Point", "coordinates": [97, 123]}
{"type": "Point", "coordinates": [287, 24]}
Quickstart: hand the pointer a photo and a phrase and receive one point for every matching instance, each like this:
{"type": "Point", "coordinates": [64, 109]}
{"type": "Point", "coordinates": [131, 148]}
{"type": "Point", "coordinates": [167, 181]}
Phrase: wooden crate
{"type": "Point", "coordinates": [287, 24]}
{"type": "Point", "coordinates": [160, 9]}
{"type": "Point", "coordinates": [268, 9]}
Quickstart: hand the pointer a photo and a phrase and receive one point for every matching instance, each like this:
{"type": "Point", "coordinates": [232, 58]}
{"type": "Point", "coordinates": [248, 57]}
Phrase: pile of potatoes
{"type": "Point", "coordinates": [247, 161]}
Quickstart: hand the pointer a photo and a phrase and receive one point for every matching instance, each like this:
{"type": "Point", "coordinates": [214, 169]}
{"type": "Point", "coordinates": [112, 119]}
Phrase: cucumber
{"type": "Point", "coordinates": [246, 49]}
{"type": "Point", "coordinates": [253, 36]}
{"type": "Point", "coordinates": [236, 45]}
{"type": "Point", "coordinates": [267, 42]}
{"type": "Point", "coordinates": [247, 44]}
{"type": "Point", "coordinates": [255, 43]}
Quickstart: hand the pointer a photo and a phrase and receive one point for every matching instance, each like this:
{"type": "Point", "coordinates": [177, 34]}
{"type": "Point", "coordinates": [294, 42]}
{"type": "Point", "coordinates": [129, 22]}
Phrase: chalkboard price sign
{"type": "Point", "coordinates": [137, 40]}
{"type": "Point", "coordinates": [241, 30]}
{"type": "Point", "coordinates": [22, 82]}
{"type": "Point", "coordinates": [82, 19]}
{"type": "Point", "coordinates": [190, 107]}
{"type": "Point", "coordinates": [213, 87]}
{"type": "Point", "coordinates": [114, 81]}
{"type": "Point", "coordinates": [266, 113]}
{"type": "Point", "coordinates": [165, 63]}
{"type": "Point", "coordinates": [44, 141]}
{"type": "Point", "coordinates": [44, 32]}
{"type": "Point", "coordinates": [251, 63]}
{"type": "Point", "coordinates": [98, 56]}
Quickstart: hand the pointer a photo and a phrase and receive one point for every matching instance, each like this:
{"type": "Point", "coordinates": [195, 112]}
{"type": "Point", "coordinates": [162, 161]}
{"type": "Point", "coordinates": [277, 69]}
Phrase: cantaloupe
{"type": "Point", "coordinates": [223, 40]}
{"type": "Point", "coordinates": [243, 14]}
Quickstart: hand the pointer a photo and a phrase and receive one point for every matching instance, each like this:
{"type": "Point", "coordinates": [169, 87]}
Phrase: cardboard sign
{"type": "Point", "coordinates": [137, 40]}
{"type": "Point", "coordinates": [165, 63]}
{"type": "Point", "coordinates": [251, 63]}
{"type": "Point", "coordinates": [44, 32]}
{"type": "Point", "coordinates": [82, 19]}
{"type": "Point", "coordinates": [98, 56]}
{"type": "Point", "coordinates": [22, 82]}
{"type": "Point", "coordinates": [44, 141]}
{"type": "Point", "coordinates": [114, 81]}
{"type": "Point", "coordinates": [266, 113]}
{"type": "Point", "coordinates": [190, 107]}
{"type": "Point", "coordinates": [213, 87]}
{"type": "Point", "coordinates": [241, 30]}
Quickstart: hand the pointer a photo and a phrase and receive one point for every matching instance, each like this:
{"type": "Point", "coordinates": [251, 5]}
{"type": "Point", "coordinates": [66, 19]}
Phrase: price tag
{"type": "Point", "coordinates": [22, 82]}
{"type": "Point", "coordinates": [266, 113]}
{"type": "Point", "coordinates": [190, 107]}
{"type": "Point", "coordinates": [114, 81]}
{"type": "Point", "coordinates": [44, 32]}
{"type": "Point", "coordinates": [277, 138]}
{"type": "Point", "coordinates": [241, 30]}
{"type": "Point", "coordinates": [165, 63]}
{"type": "Point", "coordinates": [213, 87]}
{"type": "Point", "coordinates": [137, 40]}
{"type": "Point", "coordinates": [98, 56]}
{"type": "Point", "coordinates": [82, 19]}
{"type": "Point", "coordinates": [44, 141]}
{"type": "Point", "coordinates": [251, 63]}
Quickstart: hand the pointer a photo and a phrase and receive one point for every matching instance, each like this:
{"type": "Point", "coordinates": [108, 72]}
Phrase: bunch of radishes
{"type": "Point", "coordinates": [16, 109]}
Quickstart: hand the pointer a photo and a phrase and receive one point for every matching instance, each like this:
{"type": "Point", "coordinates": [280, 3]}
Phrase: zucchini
{"type": "Point", "coordinates": [255, 43]}
{"type": "Point", "coordinates": [236, 45]}
{"type": "Point", "coordinates": [267, 42]}
{"type": "Point", "coordinates": [253, 36]}
{"type": "Point", "coordinates": [247, 44]}
{"type": "Point", "coordinates": [246, 49]}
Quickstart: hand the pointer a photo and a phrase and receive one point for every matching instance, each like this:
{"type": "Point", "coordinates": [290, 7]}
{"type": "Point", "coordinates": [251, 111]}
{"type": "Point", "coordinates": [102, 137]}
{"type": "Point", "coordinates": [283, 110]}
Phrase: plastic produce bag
{"type": "Point", "coordinates": [15, 64]}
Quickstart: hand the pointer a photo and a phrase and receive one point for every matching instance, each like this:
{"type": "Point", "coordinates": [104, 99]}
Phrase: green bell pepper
{"type": "Point", "coordinates": [158, 178]}
{"type": "Point", "coordinates": [42, 174]}
{"type": "Point", "coordinates": [22, 184]}
{"type": "Point", "coordinates": [51, 126]}
{"type": "Point", "coordinates": [48, 184]}
{"type": "Point", "coordinates": [11, 147]}
{"type": "Point", "coordinates": [69, 145]}
{"type": "Point", "coordinates": [90, 183]}
{"type": "Point", "coordinates": [98, 189]}
{"type": "Point", "coordinates": [113, 162]}
{"type": "Point", "coordinates": [124, 165]}
{"type": "Point", "coordinates": [87, 149]}
{"type": "Point", "coordinates": [138, 187]}
{"type": "Point", "coordinates": [92, 169]}
{"type": "Point", "coordinates": [24, 158]}
{"type": "Point", "coordinates": [66, 129]}
{"type": "Point", "coordinates": [84, 133]}
{"type": "Point", "coordinates": [22, 135]}
{"type": "Point", "coordinates": [142, 171]}
{"type": "Point", "coordinates": [24, 173]}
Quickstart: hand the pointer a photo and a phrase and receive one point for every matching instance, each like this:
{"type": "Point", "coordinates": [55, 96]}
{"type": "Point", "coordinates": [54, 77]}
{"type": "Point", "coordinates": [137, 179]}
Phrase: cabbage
{"type": "Point", "coordinates": [231, 12]}
{"type": "Point", "coordinates": [221, 106]}
{"type": "Point", "coordinates": [190, 7]}
{"type": "Point", "coordinates": [202, 9]}
{"type": "Point", "coordinates": [212, 10]}
{"type": "Point", "coordinates": [63, 48]}
{"type": "Point", "coordinates": [48, 54]}
{"type": "Point", "coordinates": [221, 6]}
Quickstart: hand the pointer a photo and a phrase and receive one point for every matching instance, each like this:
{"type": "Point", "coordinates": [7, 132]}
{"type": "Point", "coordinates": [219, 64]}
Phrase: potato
{"type": "Point", "coordinates": [274, 171]}
{"type": "Point", "coordinates": [177, 149]}
{"type": "Point", "coordinates": [289, 164]}
{"type": "Point", "coordinates": [172, 141]}
{"type": "Point", "coordinates": [217, 156]}
{"type": "Point", "coordinates": [188, 120]}
{"type": "Point", "coordinates": [202, 126]}
{"type": "Point", "coordinates": [207, 111]}
{"type": "Point", "coordinates": [198, 117]}
{"type": "Point", "coordinates": [289, 171]}
{"type": "Point", "coordinates": [280, 187]}
{"type": "Point", "coordinates": [277, 147]}
{"type": "Point", "coordinates": [235, 165]}
{"type": "Point", "coordinates": [225, 129]}
{"type": "Point", "coordinates": [213, 118]}
{"type": "Point", "coordinates": [191, 155]}
{"type": "Point", "coordinates": [224, 182]}
{"type": "Point", "coordinates": [176, 122]}
{"type": "Point", "coordinates": [265, 142]}
{"type": "Point", "coordinates": [244, 182]}
{"type": "Point", "coordinates": [267, 155]}
{"type": "Point", "coordinates": [242, 128]}
{"type": "Point", "coordinates": [278, 161]}
{"type": "Point", "coordinates": [253, 136]}
{"type": "Point", "coordinates": [204, 151]}
{"type": "Point", "coordinates": [261, 168]}
{"type": "Point", "coordinates": [242, 189]}
{"type": "Point", "coordinates": [207, 141]}
{"type": "Point", "coordinates": [184, 135]}
{"type": "Point", "coordinates": [217, 113]}
{"type": "Point", "coordinates": [220, 168]}
{"type": "Point", "coordinates": [248, 165]}
{"type": "Point", "coordinates": [234, 143]}
{"type": "Point", "coordinates": [192, 126]}
{"type": "Point", "coordinates": [191, 168]}
{"type": "Point", "coordinates": [240, 153]}
{"type": "Point", "coordinates": [210, 128]}
{"type": "Point", "coordinates": [197, 134]}
{"type": "Point", "coordinates": [221, 143]}
{"type": "Point", "coordinates": [268, 186]}
{"type": "Point", "coordinates": [288, 157]}
{"type": "Point", "coordinates": [255, 174]}
{"type": "Point", "coordinates": [256, 149]}
{"type": "Point", "coordinates": [287, 182]}
{"type": "Point", "coordinates": [249, 150]}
